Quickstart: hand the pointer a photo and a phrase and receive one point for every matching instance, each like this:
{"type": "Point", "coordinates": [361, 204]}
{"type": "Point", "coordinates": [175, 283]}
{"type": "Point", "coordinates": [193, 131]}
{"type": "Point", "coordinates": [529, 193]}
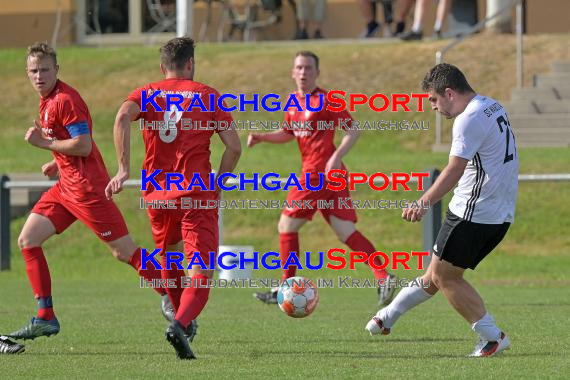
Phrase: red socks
{"type": "Point", "coordinates": [357, 242]}
{"type": "Point", "coordinates": [174, 294]}
{"type": "Point", "coordinates": [150, 273]}
{"type": "Point", "coordinates": [40, 279]}
{"type": "Point", "coordinates": [193, 300]}
{"type": "Point", "coordinates": [288, 242]}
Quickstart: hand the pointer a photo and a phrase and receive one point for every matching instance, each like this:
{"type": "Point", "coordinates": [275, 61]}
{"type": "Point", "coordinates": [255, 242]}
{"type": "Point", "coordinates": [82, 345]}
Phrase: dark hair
{"type": "Point", "coordinates": [176, 52]}
{"type": "Point", "coordinates": [307, 53]}
{"type": "Point", "coordinates": [444, 76]}
{"type": "Point", "coordinates": [42, 50]}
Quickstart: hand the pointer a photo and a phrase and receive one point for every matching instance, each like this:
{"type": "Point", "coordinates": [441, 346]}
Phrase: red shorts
{"type": "Point", "coordinates": [97, 212]}
{"type": "Point", "coordinates": [339, 198]}
{"type": "Point", "coordinates": [166, 226]}
{"type": "Point", "coordinates": [197, 227]}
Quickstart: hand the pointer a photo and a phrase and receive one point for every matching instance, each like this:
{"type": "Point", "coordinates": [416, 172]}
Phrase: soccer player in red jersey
{"type": "Point", "coordinates": [65, 128]}
{"type": "Point", "coordinates": [179, 150]}
{"type": "Point", "coordinates": [319, 155]}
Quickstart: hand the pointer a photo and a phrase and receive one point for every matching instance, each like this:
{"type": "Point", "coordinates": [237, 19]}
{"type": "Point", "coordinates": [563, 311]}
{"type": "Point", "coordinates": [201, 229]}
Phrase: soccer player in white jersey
{"type": "Point", "coordinates": [483, 162]}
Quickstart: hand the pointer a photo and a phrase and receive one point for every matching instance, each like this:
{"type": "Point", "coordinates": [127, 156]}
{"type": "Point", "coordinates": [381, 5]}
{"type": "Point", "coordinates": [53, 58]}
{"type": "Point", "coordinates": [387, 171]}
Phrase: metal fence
{"type": "Point", "coordinates": [431, 221]}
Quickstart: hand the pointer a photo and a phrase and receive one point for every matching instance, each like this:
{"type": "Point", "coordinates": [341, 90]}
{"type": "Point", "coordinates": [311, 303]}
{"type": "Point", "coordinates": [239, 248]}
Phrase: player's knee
{"type": "Point", "coordinates": [121, 254]}
{"type": "Point", "coordinates": [443, 279]}
{"type": "Point", "coordinates": [432, 287]}
{"type": "Point", "coordinates": [342, 236]}
{"type": "Point", "coordinates": [342, 229]}
{"type": "Point", "coordinates": [284, 226]}
{"type": "Point", "coordinates": [26, 241]}
{"type": "Point", "coordinates": [115, 252]}
{"type": "Point", "coordinates": [123, 248]}
{"type": "Point", "coordinates": [437, 280]}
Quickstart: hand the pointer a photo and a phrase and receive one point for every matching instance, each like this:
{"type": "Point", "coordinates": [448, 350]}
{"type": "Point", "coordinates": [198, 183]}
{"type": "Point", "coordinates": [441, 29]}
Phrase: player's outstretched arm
{"type": "Point", "coordinates": [275, 137]}
{"type": "Point", "coordinates": [444, 183]}
{"type": "Point", "coordinates": [122, 136]}
{"type": "Point", "coordinates": [348, 140]}
{"type": "Point", "coordinates": [77, 146]}
{"type": "Point", "coordinates": [230, 158]}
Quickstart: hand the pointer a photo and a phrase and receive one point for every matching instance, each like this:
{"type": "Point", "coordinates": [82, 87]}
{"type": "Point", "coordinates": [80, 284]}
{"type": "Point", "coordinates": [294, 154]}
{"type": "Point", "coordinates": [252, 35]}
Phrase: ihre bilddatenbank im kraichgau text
{"type": "Point", "coordinates": [335, 180]}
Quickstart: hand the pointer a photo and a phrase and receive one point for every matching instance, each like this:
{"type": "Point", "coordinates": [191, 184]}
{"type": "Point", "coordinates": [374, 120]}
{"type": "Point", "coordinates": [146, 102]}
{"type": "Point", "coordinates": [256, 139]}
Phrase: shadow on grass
{"type": "Point", "coordinates": [140, 354]}
{"type": "Point", "coordinates": [415, 355]}
{"type": "Point", "coordinates": [337, 353]}
{"type": "Point", "coordinates": [362, 340]}
{"type": "Point", "coordinates": [563, 304]}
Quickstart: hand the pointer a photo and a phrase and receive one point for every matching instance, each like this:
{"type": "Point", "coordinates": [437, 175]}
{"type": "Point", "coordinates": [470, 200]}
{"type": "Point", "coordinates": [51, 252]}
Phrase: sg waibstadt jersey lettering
{"type": "Point", "coordinates": [487, 191]}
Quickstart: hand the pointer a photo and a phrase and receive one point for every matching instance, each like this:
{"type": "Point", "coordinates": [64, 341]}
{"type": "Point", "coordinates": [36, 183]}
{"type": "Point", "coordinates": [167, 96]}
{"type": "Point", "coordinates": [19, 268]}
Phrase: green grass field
{"type": "Point", "coordinates": [113, 329]}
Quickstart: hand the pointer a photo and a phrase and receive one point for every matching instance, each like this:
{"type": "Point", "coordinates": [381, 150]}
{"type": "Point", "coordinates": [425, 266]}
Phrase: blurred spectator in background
{"type": "Point", "coordinates": [416, 33]}
{"type": "Point", "coordinates": [402, 10]}
{"type": "Point", "coordinates": [368, 8]}
{"type": "Point", "coordinates": [310, 12]}
{"type": "Point", "coordinates": [107, 16]}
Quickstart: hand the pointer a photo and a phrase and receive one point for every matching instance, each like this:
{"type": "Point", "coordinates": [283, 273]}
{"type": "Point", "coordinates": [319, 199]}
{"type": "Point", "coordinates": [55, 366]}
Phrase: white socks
{"type": "Point", "coordinates": [416, 29]}
{"type": "Point", "coordinates": [437, 26]}
{"type": "Point", "coordinates": [487, 328]}
{"type": "Point", "coordinates": [412, 296]}
{"type": "Point", "coordinates": [408, 298]}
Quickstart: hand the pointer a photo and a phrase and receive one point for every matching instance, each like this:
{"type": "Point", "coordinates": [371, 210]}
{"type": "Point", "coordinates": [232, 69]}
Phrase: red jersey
{"type": "Point", "coordinates": [186, 148]}
{"type": "Point", "coordinates": [316, 142]}
{"type": "Point", "coordinates": [64, 115]}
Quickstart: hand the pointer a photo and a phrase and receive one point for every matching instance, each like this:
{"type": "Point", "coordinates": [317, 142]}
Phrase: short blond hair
{"type": "Point", "coordinates": [42, 50]}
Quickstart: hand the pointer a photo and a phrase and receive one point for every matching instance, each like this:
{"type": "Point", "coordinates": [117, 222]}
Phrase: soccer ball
{"type": "Point", "coordinates": [297, 297]}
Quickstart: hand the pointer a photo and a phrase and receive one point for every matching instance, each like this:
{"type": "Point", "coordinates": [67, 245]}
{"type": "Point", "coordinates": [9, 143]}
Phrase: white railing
{"type": "Point", "coordinates": [431, 222]}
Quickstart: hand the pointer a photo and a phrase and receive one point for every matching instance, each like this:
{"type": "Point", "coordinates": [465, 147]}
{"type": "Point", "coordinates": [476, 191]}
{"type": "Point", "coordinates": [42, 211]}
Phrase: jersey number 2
{"type": "Point", "coordinates": [504, 121]}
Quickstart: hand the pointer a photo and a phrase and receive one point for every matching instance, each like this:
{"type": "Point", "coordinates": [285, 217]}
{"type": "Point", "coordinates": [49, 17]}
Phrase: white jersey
{"type": "Point", "coordinates": [487, 190]}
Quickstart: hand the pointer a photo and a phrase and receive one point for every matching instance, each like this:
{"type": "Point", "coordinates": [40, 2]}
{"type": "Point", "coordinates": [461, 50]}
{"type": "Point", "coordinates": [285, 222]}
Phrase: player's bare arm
{"type": "Point", "coordinates": [230, 157]}
{"type": "Point", "coordinates": [275, 137]}
{"type": "Point", "coordinates": [348, 140]}
{"type": "Point", "coordinates": [122, 138]}
{"type": "Point", "coordinates": [444, 183]}
{"type": "Point", "coordinates": [77, 146]}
